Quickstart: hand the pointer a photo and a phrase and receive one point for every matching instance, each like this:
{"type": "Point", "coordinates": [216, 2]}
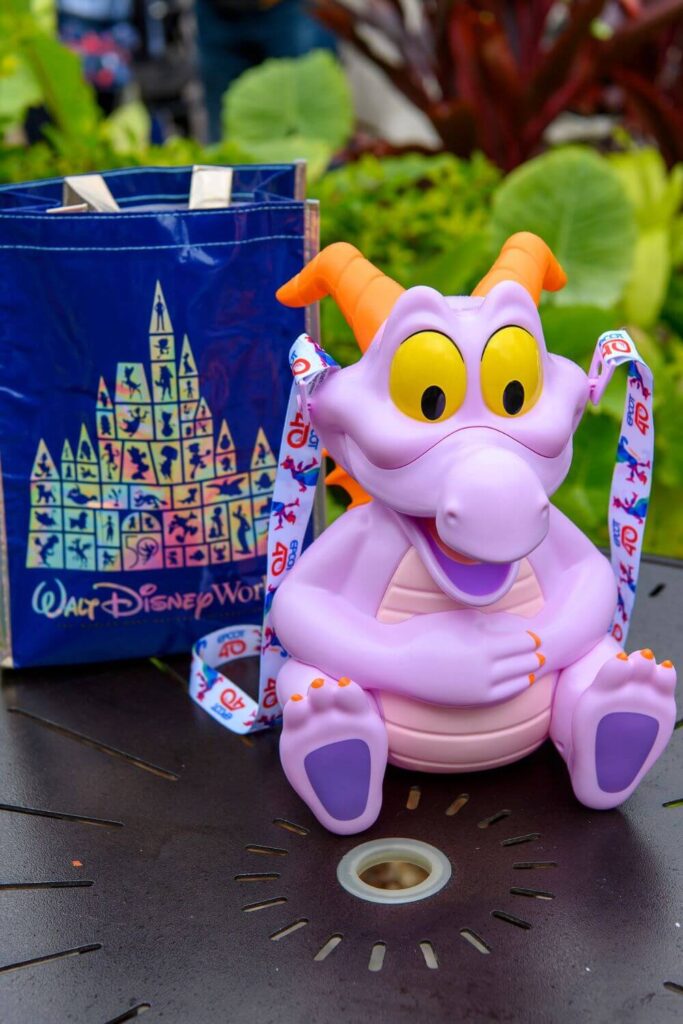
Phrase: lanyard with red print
{"type": "Point", "coordinates": [632, 477]}
{"type": "Point", "coordinates": [299, 465]}
{"type": "Point", "coordinates": [297, 475]}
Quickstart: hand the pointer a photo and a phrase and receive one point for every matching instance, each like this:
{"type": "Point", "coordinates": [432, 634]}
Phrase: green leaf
{"type": "Point", "coordinates": [293, 105]}
{"type": "Point", "coordinates": [315, 152]}
{"type": "Point", "coordinates": [572, 331]}
{"type": "Point", "coordinates": [655, 194]}
{"type": "Point", "coordinates": [18, 91]}
{"type": "Point", "coordinates": [422, 219]}
{"type": "Point", "coordinates": [128, 127]}
{"type": "Point", "coordinates": [649, 280]}
{"type": "Point", "coordinates": [66, 95]}
{"type": "Point", "coordinates": [574, 200]}
{"type": "Point", "coordinates": [656, 197]}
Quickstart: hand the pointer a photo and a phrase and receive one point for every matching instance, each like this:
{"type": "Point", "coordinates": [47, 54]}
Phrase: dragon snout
{"type": "Point", "coordinates": [493, 507]}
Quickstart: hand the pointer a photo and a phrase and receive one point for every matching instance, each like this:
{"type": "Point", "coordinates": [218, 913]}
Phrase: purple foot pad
{"type": "Point", "coordinates": [623, 741]}
{"type": "Point", "coordinates": [340, 776]}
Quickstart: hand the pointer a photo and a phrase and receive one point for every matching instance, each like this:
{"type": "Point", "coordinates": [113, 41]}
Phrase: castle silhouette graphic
{"type": "Point", "coordinates": [158, 488]}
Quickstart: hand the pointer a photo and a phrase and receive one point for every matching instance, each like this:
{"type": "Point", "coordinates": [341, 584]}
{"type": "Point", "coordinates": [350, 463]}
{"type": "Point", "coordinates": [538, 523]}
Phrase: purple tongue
{"type": "Point", "coordinates": [478, 579]}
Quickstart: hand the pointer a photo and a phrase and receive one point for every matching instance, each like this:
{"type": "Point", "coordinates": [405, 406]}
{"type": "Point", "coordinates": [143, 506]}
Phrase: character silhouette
{"type": "Point", "coordinates": [43, 467]}
{"type": "Point", "coordinates": [79, 498]}
{"type": "Point", "coordinates": [142, 500]}
{"type": "Point", "coordinates": [242, 530]}
{"type": "Point", "coordinates": [133, 385]}
{"type": "Point", "coordinates": [80, 550]}
{"type": "Point", "coordinates": [181, 524]}
{"type": "Point", "coordinates": [45, 495]}
{"type": "Point", "coordinates": [46, 548]}
{"type": "Point", "coordinates": [164, 381]}
{"type": "Point", "coordinates": [197, 458]}
{"type": "Point", "coordinates": [263, 482]}
{"type": "Point", "coordinates": [132, 425]}
{"type": "Point", "coordinates": [232, 488]}
{"type": "Point", "coordinates": [110, 455]}
{"type": "Point", "coordinates": [137, 457]}
{"type": "Point", "coordinates": [45, 519]}
{"type": "Point", "coordinates": [78, 522]}
{"type": "Point", "coordinates": [170, 455]}
{"type": "Point", "coordinates": [216, 530]}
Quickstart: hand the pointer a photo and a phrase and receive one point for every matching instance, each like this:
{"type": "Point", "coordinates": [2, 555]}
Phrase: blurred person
{"type": "Point", "coordinates": [102, 33]}
{"type": "Point", "coordinates": [235, 35]}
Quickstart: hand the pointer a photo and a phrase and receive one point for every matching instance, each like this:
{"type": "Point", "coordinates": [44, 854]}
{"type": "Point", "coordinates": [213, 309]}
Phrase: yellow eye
{"type": "Point", "coordinates": [428, 379]}
{"type": "Point", "coordinates": [511, 374]}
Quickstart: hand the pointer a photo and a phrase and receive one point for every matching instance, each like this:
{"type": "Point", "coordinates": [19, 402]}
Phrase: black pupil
{"type": "Point", "coordinates": [513, 397]}
{"type": "Point", "coordinates": [433, 402]}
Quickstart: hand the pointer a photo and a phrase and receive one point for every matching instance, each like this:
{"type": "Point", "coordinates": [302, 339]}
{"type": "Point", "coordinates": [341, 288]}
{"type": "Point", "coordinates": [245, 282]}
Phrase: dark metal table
{"type": "Point", "coordinates": [152, 863]}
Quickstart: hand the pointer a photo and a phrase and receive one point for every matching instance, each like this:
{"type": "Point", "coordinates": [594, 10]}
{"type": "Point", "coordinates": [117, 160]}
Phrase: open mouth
{"type": "Point", "coordinates": [465, 578]}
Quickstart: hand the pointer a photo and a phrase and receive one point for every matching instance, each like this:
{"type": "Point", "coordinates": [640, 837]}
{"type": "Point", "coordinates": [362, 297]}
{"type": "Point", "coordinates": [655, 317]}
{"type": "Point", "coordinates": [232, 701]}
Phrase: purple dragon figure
{"type": "Point", "coordinates": [457, 619]}
{"type": "Point", "coordinates": [636, 468]}
{"type": "Point", "coordinates": [305, 476]}
{"type": "Point", "coordinates": [633, 506]}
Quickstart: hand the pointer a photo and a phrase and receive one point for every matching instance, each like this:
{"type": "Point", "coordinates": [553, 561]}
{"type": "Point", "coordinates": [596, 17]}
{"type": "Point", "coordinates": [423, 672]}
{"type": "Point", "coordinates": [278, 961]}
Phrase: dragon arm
{"type": "Point", "coordinates": [580, 593]}
{"type": "Point", "coordinates": [325, 615]}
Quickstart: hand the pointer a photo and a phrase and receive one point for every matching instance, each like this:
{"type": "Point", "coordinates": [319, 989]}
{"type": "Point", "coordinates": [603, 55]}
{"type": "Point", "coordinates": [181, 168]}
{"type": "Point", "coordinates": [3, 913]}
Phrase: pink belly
{"type": "Point", "coordinates": [433, 738]}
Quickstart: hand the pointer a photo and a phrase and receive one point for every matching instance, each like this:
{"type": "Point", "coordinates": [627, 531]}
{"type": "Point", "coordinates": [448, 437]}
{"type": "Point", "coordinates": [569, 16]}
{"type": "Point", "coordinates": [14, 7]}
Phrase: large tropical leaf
{"type": "Point", "coordinates": [656, 198]}
{"type": "Point", "coordinates": [297, 107]}
{"type": "Point", "coordinates": [574, 200]}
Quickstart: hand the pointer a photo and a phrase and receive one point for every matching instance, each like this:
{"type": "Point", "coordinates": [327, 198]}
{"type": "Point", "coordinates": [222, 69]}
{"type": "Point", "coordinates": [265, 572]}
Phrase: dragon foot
{"type": "Point", "coordinates": [334, 753]}
{"type": "Point", "coordinates": [621, 724]}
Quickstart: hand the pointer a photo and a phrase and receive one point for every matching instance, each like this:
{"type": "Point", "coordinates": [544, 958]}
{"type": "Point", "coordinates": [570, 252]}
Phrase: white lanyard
{"type": "Point", "coordinates": [299, 465]}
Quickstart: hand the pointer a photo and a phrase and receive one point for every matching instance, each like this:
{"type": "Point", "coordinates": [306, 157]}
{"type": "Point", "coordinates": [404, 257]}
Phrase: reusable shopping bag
{"type": "Point", "coordinates": [144, 381]}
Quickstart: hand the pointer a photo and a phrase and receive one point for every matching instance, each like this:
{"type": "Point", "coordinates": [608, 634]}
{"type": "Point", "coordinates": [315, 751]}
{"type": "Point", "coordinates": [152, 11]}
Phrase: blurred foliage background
{"type": "Point", "coordinates": [611, 211]}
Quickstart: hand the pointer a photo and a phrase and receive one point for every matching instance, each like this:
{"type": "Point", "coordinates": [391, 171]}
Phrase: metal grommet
{"type": "Point", "coordinates": [379, 851]}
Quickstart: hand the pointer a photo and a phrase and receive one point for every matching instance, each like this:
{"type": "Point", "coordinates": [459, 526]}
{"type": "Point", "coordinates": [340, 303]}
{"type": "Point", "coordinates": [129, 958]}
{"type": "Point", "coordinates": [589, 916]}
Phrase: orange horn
{"type": "Point", "coordinates": [364, 294]}
{"type": "Point", "coordinates": [527, 259]}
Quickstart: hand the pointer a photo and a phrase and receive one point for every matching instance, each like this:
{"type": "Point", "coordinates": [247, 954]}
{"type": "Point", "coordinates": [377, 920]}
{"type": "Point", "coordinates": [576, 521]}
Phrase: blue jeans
{"type": "Point", "coordinates": [230, 44]}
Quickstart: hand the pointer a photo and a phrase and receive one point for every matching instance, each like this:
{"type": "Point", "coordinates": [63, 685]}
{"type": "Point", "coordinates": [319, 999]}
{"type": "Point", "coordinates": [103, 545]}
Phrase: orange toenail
{"type": "Point", "coordinates": [541, 658]}
{"type": "Point", "coordinates": [667, 664]}
{"type": "Point", "coordinates": [317, 683]}
{"type": "Point", "coordinates": [344, 681]}
{"type": "Point", "coordinates": [532, 679]}
{"type": "Point", "coordinates": [647, 653]}
{"type": "Point", "coordinates": [622, 656]}
{"type": "Point", "coordinates": [296, 696]}
{"type": "Point", "coordinates": [535, 638]}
